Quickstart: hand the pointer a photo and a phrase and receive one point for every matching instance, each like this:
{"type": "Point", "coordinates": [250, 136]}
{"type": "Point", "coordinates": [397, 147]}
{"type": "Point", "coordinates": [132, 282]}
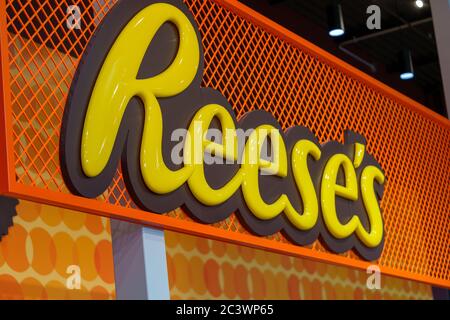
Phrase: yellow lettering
{"type": "Point", "coordinates": [117, 84]}
{"type": "Point", "coordinates": [300, 153]}
{"type": "Point", "coordinates": [197, 181]}
{"type": "Point", "coordinates": [330, 189]}
{"type": "Point", "coordinates": [251, 166]}
{"type": "Point", "coordinates": [374, 237]}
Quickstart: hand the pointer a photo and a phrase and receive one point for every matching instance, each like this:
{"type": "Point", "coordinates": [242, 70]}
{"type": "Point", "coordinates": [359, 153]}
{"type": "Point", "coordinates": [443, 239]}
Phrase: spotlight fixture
{"type": "Point", "coordinates": [419, 4]}
{"type": "Point", "coordinates": [406, 65]}
{"type": "Point", "coordinates": [335, 20]}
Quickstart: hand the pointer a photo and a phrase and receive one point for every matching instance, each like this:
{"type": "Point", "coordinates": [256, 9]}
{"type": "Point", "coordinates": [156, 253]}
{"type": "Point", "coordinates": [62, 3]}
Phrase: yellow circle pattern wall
{"type": "Point", "coordinates": [44, 241]}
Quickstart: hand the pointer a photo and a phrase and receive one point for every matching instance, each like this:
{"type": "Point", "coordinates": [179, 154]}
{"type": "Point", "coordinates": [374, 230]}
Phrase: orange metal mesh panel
{"type": "Point", "coordinates": [253, 68]}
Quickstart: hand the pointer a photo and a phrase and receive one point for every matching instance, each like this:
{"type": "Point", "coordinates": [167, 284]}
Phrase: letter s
{"type": "Point", "coordinates": [369, 175]}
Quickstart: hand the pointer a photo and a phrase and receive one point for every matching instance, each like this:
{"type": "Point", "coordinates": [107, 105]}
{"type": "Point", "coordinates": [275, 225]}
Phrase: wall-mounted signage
{"type": "Point", "coordinates": [137, 99]}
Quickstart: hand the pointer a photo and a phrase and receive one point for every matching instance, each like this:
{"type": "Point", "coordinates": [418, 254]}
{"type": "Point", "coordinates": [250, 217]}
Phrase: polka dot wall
{"type": "Point", "coordinates": [205, 269]}
{"type": "Point", "coordinates": [44, 241]}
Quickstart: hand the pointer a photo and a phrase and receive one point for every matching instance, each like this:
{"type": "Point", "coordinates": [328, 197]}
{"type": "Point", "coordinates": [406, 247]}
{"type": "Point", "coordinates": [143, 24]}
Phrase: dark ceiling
{"type": "Point", "coordinates": [308, 18]}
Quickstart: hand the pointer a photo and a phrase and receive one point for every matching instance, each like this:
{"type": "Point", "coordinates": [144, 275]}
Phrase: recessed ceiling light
{"type": "Point", "coordinates": [335, 20]}
{"type": "Point", "coordinates": [406, 75]}
{"type": "Point", "coordinates": [419, 4]}
{"type": "Point", "coordinates": [336, 32]}
{"type": "Point", "coordinates": [406, 65]}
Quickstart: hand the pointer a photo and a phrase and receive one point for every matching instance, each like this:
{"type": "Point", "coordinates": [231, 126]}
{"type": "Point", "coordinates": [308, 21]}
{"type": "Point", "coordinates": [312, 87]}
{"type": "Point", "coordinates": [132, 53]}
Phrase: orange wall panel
{"type": "Point", "coordinates": [256, 64]}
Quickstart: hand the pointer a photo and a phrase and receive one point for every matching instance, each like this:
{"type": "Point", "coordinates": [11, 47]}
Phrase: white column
{"type": "Point", "coordinates": [140, 266]}
{"type": "Point", "coordinates": [440, 10]}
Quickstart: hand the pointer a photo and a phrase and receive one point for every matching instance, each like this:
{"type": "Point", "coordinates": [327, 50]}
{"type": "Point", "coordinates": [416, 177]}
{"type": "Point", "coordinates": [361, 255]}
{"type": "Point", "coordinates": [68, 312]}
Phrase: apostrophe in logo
{"type": "Point", "coordinates": [140, 80]}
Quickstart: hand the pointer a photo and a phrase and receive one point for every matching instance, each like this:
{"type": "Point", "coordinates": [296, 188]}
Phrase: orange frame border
{"type": "Point", "coordinates": [9, 186]}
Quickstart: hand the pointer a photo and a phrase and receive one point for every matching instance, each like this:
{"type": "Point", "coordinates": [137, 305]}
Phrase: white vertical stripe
{"type": "Point", "coordinates": [155, 264]}
{"type": "Point", "coordinates": [140, 265]}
